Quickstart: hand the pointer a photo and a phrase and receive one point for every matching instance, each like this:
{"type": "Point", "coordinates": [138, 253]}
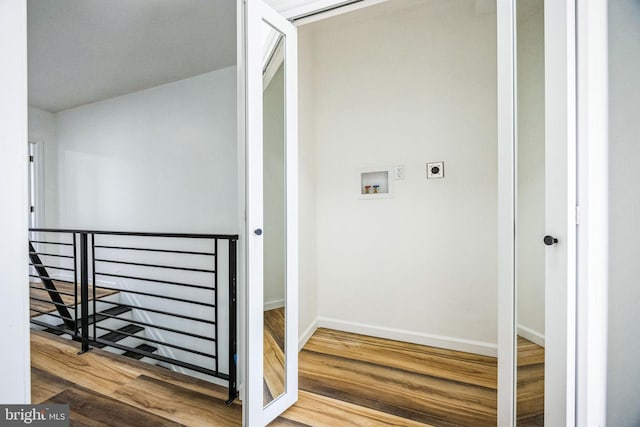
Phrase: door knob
{"type": "Point", "coordinates": [550, 240]}
{"type": "Point", "coordinates": [258, 231]}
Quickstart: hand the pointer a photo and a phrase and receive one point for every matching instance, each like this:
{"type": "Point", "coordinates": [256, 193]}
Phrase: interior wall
{"type": "Point", "coordinates": [307, 268]}
{"type": "Point", "coordinates": [42, 130]}
{"type": "Point", "coordinates": [307, 260]}
{"type": "Point", "coordinates": [406, 83]}
{"type": "Point", "coordinates": [624, 156]}
{"type": "Point", "coordinates": [274, 191]}
{"type": "Point", "coordinates": [15, 361]}
{"type": "Point", "coordinates": [530, 211]}
{"type": "Point", "coordinates": [162, 159]}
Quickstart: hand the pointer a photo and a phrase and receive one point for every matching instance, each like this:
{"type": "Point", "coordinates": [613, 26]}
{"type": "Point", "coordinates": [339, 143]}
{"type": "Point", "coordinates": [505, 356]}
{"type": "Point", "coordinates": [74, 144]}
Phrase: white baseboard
{"type": "Point", "coordinates": [271, 305]}
{"type": "Point", "coordinates": [531, 335]}
{"type": "Point", "coordinates": [449, 343]}
{"type": "Point", "coordinates": [306, 335]}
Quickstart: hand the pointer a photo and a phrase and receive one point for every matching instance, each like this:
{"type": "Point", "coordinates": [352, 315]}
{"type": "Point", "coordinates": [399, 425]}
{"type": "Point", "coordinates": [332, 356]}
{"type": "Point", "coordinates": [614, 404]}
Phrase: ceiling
{"type": "Point", "coordinates": [83, 51]}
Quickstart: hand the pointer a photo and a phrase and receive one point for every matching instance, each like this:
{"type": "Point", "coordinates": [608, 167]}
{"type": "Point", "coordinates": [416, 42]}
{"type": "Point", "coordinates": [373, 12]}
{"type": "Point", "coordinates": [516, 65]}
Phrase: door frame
{"type": "Point", "coordinates": [15, 365]}
{"type": "Point", "coordinates": [36, 148]}
{"type": "Point", "coordinates": [593, 202]}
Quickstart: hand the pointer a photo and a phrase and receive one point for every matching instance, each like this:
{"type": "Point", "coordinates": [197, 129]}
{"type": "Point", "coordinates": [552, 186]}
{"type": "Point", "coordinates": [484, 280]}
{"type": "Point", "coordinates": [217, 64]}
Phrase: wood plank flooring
{"type": "Point", "coordinates": [43, 303]}
{"type": "Point", "coordinates": [392, 382]}
{"type": "Point", "coordinates": [105, 389]}
{"type": "Point", "coordinates": [273, 361]}
{"type": "Point", "coordinates": [345, 380]}
{"type": "Point", "coordinates": [530, 384]}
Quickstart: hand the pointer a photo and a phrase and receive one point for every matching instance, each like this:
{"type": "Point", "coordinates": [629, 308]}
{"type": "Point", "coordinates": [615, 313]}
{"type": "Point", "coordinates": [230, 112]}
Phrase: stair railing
{"type": "Point", "coordinates": [167, 284]}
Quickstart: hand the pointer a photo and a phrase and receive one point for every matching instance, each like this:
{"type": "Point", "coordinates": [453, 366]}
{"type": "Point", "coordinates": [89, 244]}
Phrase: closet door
{"type": "Point", "coordinates": [272, 213]}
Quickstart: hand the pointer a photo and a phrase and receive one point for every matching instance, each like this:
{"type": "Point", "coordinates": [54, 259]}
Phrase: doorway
{"type": "Point", "coordinates": [385, 91]}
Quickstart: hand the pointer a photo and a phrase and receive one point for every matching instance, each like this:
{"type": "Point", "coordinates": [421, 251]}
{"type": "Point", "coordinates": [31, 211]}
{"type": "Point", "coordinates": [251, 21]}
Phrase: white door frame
{"type": "Point", "coordinates": [593, 239]}
{"type": "Point", "coordinates": [36, 149]}
{"type": "Point", "coordinates": [15, 365]}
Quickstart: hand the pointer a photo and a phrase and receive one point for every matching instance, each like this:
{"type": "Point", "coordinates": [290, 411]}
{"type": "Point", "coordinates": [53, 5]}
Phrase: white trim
{"type": "Point", "coordinates": [440, 341]}
{"type": "Point", "coordinates": [293, 8]}
{"type": "Point", "coordinates": [38, 163]}
{"type": "Point", "coordinates": [242, 360]}
{"type": "Point", "coordinates": [307, 334]}
{"type": "Point", "coordinates": [506, 212]}
{"type": "Point", "coordinates": [15, 365]}
{"type": "Point", "coordinates": [593, 243]}
{"type": "Point", "coordinates": [273, 304]}
{"type": "Point", "coordinates": [531, 335]}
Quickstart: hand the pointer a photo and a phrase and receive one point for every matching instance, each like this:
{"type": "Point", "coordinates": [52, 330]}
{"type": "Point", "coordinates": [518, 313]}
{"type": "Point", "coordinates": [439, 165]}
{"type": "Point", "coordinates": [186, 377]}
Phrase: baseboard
{"type": "Point", "coordinates": [273, 304]}
{"type": "Point", "coordinates": [449, 343]}
{"type": "Point", "coordinates": [306, 335]}
{"type": "Point", "coordinates": [531, 335]}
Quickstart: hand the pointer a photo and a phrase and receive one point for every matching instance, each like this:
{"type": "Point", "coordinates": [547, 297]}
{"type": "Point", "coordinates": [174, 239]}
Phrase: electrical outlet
{"type": "Point", "coordinates": [435, 170]}
{"type": "Point", "coordinates": [399, 172]}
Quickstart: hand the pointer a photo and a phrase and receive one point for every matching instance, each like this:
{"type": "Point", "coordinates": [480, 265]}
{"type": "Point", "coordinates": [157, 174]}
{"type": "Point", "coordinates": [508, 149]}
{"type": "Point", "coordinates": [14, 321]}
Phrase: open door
{"type": "Point", "coordinates": [537, 213]}
{"type": "Point", "coordinates": [272, 214]}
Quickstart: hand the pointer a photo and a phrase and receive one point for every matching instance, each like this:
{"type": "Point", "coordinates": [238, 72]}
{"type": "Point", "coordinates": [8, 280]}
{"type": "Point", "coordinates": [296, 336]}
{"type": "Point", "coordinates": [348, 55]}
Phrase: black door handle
{"type": "Point", "coordinates": [258, 231]}
{"type": "Point", "coordinates": [550, 240]}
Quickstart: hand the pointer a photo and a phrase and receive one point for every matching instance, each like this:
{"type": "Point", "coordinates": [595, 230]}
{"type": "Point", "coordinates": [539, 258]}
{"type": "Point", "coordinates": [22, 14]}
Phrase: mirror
{"type": "Point", "coordinates": [274, 205]}
{"type": "Point", "coordinates": [530, 213]}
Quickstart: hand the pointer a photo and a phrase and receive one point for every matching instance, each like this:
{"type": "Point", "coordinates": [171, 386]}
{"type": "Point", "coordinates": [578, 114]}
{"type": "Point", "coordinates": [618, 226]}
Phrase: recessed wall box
{"type": "Point", "coordinates": [376, 183]}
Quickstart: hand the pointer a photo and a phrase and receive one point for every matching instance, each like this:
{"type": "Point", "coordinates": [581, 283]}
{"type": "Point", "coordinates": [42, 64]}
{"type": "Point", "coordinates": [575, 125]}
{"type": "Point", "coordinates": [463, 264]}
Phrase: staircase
{"type": "Point", "coordinates": [153, 297]}
{"type": "Point", "coordinates": [121, 332]}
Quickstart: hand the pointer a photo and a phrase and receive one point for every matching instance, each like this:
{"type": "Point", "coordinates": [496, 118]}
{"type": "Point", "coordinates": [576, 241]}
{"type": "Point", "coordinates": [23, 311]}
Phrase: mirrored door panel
{"type": "Point", "coordinates": [274, 213]}
{"type": "Point", "coordinates": [530, 213]}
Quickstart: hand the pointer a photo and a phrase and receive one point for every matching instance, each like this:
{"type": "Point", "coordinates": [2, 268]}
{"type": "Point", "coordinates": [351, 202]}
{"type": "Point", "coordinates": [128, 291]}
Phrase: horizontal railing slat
{"type": "Point", "coordinates": [114, 251]}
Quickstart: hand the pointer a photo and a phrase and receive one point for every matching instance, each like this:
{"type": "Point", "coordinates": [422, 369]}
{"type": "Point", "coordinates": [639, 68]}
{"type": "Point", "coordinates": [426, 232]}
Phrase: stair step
{"type": "Point", "coordinates": [142, 347]}
{"type": "Point", "coordinates": [113, 311]}
{"type": "Point", "coordinates": [115, 336]}
{"type": "Point", "coordinates": [54, 331]}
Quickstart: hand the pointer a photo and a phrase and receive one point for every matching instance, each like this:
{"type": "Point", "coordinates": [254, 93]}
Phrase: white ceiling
{"type": "Point", "coordinates": [83, 51]}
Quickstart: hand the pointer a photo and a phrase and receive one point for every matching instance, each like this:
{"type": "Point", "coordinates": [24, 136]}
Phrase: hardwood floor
{"type": "Point", "coordinates": [105, 389]}
{"type": "Point", "coordinates": [530, 384]}
{"type": "Point", "coordinates": [273, 361]}
{"type": "Point", "coordinates": [345, 380]}
{"type": "Point", "coordinates": [349, 379]}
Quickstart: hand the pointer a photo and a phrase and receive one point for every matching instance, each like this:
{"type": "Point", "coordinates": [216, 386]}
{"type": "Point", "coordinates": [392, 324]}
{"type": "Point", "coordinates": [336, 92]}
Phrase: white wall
{"type": "Point", "coordinates": [42, 131]}
{"type": "Point", "coordinates": [624, 291]}
{"type": "Point", "coordinates": [406, 83]}
{"type": "Point", "coordinates": [165, 160]}
{"type": "Point", "coordinates": [274, 191]}
{"type": "Point", "coordinates": [530, 251]}
{"type": "Point", "coordinates": [307, 283]}
{"type": "Point", "coordinates": [15, 361]}
{"type": "Point", "coordinates": [162, 159]}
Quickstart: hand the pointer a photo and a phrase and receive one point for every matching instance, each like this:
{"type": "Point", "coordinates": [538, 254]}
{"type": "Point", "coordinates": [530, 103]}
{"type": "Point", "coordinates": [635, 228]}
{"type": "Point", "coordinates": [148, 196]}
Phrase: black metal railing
{"type": "Point", "coordinates": [168, 295]}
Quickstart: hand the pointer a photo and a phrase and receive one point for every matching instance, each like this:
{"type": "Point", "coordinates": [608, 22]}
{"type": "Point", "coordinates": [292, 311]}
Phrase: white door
{"type": "Point", "coordinates": [272, 213]}
{"type": "Point", "coordinates": [558, 260]}
{"type": "Point", "coordinates": [560, 213]}
{"type": "Point", "coordinates": [32, 185]}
